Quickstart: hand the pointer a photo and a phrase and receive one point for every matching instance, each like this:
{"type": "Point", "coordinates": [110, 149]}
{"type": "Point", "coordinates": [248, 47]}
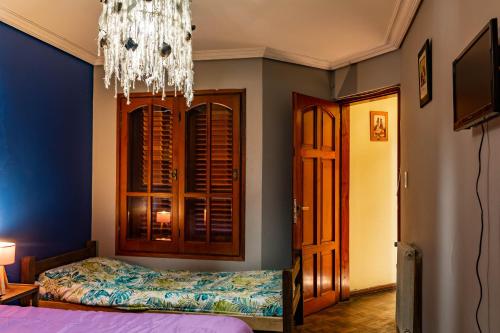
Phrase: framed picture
{"type": "Point", "coordinates": [379, 121]}
{"type": "Point", "coordinates": [425, 73]}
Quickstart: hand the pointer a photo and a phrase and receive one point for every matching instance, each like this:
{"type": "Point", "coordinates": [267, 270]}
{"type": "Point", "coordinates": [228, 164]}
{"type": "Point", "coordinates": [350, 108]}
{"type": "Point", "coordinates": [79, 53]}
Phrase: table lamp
{"type": "Point", "coordinates": [163, 218]}
{"type": "Point", "coordinates": [7, 257]}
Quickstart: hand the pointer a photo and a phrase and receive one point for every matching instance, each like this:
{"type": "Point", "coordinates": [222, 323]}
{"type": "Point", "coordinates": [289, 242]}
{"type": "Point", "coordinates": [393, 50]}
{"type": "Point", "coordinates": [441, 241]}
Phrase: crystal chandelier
{"type": "Point", "coordinates": [150, 41]}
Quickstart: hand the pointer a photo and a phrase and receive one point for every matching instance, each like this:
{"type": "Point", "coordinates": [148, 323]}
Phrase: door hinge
{"type": "Point", "coordinates": [236, 174]}
{"type": "Point", "coordinates": [174, 174]}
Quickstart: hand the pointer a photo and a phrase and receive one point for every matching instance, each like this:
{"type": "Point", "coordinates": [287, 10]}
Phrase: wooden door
{"type": "Point", "coordinates": [316, 195]}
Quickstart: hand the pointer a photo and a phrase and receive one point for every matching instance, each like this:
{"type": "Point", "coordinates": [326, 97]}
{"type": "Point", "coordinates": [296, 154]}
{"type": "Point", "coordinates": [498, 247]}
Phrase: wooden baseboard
{"type": "Point", "coordinates": [373, 290]}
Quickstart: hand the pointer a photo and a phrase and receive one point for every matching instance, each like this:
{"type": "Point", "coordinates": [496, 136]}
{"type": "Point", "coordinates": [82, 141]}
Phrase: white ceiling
{"type": "Point", "coordinates": [319, 33]}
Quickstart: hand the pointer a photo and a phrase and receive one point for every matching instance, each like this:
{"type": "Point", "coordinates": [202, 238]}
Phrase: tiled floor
{"type": "Point", "coordinates": [366, 314]}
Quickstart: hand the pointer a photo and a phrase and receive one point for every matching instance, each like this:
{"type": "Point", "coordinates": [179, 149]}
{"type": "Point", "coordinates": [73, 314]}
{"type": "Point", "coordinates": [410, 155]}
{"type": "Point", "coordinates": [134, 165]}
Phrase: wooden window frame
{"type": "Point", "coordinates": [179, 110]}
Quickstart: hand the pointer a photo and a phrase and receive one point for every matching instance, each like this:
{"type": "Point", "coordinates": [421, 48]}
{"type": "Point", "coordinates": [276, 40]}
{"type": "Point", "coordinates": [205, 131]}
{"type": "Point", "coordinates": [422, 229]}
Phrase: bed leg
{"type": "Point", "coordinates": [299, 313]}
{"type": "Point", "coordinates": [27, 275]}
{"type": "Point", "coordinates": [28, 270]}
{"type": "Point", "coordinates": [287, 301]}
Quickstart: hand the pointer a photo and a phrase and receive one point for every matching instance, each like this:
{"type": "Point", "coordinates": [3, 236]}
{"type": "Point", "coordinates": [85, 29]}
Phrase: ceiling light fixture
{"type": "Point", "coordinates": [149, 41]}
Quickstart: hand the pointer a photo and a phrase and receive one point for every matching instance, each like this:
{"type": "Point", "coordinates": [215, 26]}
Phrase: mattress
{"type": "Point", "coordinates": [14, 319]}
{"type": "Point", "coordinates": [113, 283]}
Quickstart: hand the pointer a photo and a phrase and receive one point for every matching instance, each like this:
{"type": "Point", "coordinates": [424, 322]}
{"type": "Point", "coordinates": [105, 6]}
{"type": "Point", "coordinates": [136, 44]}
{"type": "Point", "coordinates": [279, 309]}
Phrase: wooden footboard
{"type": "Point", "coordinates": [292, 291]}
{"type": "Point", "coordinates": [292, 296]}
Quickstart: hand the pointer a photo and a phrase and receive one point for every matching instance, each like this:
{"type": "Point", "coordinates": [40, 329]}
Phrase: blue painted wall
{"type": "Point", "coordinates": [45, 147]}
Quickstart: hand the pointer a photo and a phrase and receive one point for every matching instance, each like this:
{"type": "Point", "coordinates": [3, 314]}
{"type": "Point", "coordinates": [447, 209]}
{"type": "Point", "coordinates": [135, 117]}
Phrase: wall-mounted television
{"type": "Point", "coordinates": [476, 80]}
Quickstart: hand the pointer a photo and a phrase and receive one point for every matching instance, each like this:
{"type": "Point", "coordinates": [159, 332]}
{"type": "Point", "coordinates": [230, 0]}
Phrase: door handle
{"type": "Point", "coordinates": [297, 209]}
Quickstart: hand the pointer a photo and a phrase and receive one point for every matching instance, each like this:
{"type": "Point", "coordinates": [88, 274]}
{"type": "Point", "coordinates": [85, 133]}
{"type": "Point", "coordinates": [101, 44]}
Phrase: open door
{"type": "Point", "coordinates": [316, 196]}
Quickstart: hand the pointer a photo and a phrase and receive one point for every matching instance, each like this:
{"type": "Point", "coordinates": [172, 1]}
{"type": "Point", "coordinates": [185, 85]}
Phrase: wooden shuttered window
{"type": "Point", "coordinates": [180, 176]}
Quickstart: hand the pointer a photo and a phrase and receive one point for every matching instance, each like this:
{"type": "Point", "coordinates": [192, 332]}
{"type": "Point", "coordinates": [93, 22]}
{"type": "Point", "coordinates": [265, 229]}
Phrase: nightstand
{"type": "Point", "coordinates": [21, 292]}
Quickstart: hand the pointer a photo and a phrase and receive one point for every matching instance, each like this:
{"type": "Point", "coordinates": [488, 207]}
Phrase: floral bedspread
{"type": "Point", "coordinates": [110, 282]}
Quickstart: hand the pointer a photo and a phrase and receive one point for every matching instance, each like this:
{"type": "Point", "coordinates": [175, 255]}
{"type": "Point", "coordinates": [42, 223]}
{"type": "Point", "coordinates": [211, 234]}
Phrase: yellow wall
{"type": "Point", "coordinates": [373, 198]}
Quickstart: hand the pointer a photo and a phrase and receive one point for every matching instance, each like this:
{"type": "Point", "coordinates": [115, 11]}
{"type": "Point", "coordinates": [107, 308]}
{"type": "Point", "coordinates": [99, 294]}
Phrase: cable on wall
{"type": "Point", "coordinates": [481, 234]}
{"type": "Point", "coordinates": [488, 224]}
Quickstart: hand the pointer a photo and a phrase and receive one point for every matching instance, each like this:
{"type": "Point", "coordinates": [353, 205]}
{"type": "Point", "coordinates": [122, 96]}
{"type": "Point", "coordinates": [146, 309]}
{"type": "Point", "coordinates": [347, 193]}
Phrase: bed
{"type": "Point", "coordinates": [79, 280]}
{"type": "Point", "coordinates": [16, 319]}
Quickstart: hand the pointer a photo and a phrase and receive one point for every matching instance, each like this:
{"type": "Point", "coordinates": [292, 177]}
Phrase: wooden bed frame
{"type": "Point", "coordinates": [292, 291]}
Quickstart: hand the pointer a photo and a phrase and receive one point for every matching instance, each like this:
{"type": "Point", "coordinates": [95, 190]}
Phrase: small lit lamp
{"type": "Point", "coordinates": [163, 218]}
{"type": "Point", "coordinates": [7, 257]}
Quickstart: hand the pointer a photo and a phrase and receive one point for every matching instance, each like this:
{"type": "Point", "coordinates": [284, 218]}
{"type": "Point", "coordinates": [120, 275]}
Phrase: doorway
{"type": "Point", "coordinates": [326, 202]}
{"type": "Point", "coordinates": [370, 191]}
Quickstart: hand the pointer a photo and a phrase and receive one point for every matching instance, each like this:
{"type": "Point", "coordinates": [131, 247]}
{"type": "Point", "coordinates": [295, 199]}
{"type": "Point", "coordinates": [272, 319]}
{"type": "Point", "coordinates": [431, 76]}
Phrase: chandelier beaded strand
{"type": "Point", "coordinates": [149, 41]}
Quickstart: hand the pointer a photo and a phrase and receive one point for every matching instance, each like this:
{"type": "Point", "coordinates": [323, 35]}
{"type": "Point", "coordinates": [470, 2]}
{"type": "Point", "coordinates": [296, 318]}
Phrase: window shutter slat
{"type": "Point", "coordinates": [221, 220]}
{"type": "Point", "coordinates": [221, 180]}
{"type": "Point", "coordinates": [221, 173]}
{"type": "Point", "coordinates": [162, 149]}
{"type": "Point", "coordinates": [196, 220]}
{"type": "Point", "coordinates": [138, 150]}
{"type": "Point", "coordinates": [197, 149]}
{"type": "Point", "coordinates": [137, 224]}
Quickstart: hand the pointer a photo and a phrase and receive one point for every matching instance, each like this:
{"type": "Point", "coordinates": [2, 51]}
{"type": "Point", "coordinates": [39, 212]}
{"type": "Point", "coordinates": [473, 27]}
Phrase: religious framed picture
{"type": "Point", "coordinates": [425, 73]}
{"type": "Point", "coordinates": [379, 121]}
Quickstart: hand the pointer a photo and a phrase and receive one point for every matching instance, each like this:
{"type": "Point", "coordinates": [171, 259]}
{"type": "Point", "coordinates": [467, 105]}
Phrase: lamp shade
{"type": "Point", "coordinates": [163, 217]}
{"type": "Point", "coordinates": [7, 253]}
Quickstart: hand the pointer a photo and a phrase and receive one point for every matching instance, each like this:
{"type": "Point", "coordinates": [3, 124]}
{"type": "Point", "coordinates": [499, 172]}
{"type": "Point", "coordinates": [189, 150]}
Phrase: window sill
{"type": "Point", "coordinates": [119, 252]}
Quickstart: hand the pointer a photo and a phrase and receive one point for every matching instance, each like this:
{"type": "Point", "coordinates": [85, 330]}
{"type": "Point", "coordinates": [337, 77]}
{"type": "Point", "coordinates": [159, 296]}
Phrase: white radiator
{"type": "Point", "coordinates": [408, 294]}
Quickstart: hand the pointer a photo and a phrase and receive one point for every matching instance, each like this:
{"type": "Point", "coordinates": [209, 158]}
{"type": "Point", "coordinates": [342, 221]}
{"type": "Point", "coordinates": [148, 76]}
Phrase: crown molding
{"type": "Point", "coordinates": [362, 56]}
{"type": "Point", "coordinates": [223, 54]}
{"type": "Point", "coordinates": [400, 22]}
{"type": "Point", "coordinates": [243, 53]}
{"type": "Point", "coordinates": [260, 52]}
{"type": "Point", "coordinates": [295, 58]}
{"type": "Point", "coordinates": [402, 17]}
{"type": "Point", "coordinates": [33, 29]}
{"type": "Point", "coordinates": [99, 61]}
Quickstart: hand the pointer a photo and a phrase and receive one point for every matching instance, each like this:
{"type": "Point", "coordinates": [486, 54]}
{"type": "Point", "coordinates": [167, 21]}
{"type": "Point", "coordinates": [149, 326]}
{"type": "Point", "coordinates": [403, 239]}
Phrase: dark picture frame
{"type": "Point", "coordinates": [425, 73]}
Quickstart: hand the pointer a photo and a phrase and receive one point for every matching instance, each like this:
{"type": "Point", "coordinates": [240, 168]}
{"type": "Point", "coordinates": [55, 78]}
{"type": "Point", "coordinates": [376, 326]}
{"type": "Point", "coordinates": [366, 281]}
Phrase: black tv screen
{"type": "Point", "coordinates": [476, 80]}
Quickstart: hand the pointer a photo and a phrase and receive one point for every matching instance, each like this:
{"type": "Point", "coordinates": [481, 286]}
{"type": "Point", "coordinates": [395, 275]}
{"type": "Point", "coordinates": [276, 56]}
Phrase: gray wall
{"type": "Point", "coordinates": [268, 218]}
{"type": "Point", "coordinates": [269, 85]}
{"type": "Point", "coordinates": [245, 73]}
{"type": "Point", "coordinates": [279, 81]}
{"type": "Point", "coordinates": [379, 72]}
{"type": "Point", "coordinates": [440, 212]}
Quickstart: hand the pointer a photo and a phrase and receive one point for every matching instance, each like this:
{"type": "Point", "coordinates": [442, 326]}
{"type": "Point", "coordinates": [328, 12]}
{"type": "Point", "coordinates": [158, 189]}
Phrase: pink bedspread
{"type": "Point", "coordinates": [14, 319]}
